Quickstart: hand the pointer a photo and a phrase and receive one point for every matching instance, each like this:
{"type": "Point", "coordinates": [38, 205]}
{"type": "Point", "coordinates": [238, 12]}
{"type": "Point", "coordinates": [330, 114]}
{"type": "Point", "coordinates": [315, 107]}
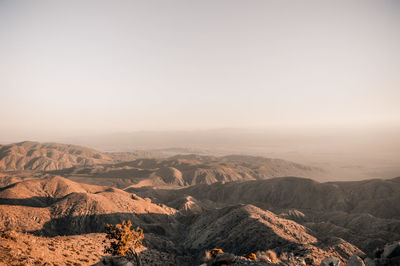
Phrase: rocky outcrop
{"type": "Point", "coordinates": [365, 213]}
{"type": "Point", "coordinates": [355, 261]}
{"type": "Point", "coordinates": [57, 205]}
{"type": "Point", "coordinates": [245, 229]}
{"type": "Point", "coordinates": [330, 262]}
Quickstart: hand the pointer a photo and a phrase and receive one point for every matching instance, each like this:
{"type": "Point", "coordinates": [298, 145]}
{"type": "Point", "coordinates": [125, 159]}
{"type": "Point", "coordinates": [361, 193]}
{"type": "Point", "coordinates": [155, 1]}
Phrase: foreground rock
{"type": "Point", "coordinates": [388, 256]}
{"type": "Point", "coordinates": [330, 262]}
{"type": "Point", "coordinates": [365, 213]}
{"type": "Point", "coordinates": [245, 229]}
{"type": "Point", "coordinates": [180, 234]}
{"type": "Point", "coordinates": [355, 261]}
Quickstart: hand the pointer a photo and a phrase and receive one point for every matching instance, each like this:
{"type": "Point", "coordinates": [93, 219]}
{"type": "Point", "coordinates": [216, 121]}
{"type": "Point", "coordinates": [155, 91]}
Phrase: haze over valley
{"type": "Point", "coordinates": [200, 133]}
{"type": "Point", "coordinates": [51, 189]}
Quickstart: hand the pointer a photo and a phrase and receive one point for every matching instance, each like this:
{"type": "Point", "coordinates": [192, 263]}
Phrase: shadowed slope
{"type": "Point", "coordinates": [365, 213]}
{"type": "Point", "coordinates": [377, 197]}
{"type": "Point", "coordinates": [246, 228]}
{"type": "Point", "coordinates": [30, 204]}
{"type": "Point", "coordinates": [186, 170]}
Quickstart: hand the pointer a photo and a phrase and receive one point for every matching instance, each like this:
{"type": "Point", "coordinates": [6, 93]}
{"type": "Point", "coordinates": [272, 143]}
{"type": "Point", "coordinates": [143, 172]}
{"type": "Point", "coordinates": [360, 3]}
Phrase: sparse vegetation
{"type": "Point", "coordinates": [269, 256]}
{"type": "Point", "coordinates": [64, 218]}
{"type": "Point", "coordinates": [7, 235]}
{"type": "Point", "coordinates": [216, 251]}
{"type": "Point", "coordinates": [250, 256]}
{"type": "Point", "coordinates": [125, 241]}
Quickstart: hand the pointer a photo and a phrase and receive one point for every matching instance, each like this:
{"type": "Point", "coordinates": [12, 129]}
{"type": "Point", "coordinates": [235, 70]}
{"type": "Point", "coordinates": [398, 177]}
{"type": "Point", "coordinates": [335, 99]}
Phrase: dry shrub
{"type": "Point", "coordinates": [207, 255]}
{"type": "Point", "coordinates": [250, 256]}
{"type": "Point", "coordinates": [215, 251]}
{"type": "Point", "coordinates": [269, 256]}
{"type": "Point", "coordinates": [124, 240]}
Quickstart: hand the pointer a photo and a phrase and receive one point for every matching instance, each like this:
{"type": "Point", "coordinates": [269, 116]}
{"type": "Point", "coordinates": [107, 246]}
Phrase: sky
{"type": "Point", "coordinates": [70, 68]}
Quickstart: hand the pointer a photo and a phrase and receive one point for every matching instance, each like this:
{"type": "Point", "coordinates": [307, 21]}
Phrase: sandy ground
{"type": "Point", "coordinates": [25, 249]}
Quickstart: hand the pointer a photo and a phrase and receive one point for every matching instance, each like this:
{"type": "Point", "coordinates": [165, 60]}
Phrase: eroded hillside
{"type": "Point", "coordinates": [187, 205]}
{"type": "Point", "coordinates": [186, 170]}
{"type": "Point", "coordinates": [56, 206]}
{"type": "Point", "coordinates": [365, 213]}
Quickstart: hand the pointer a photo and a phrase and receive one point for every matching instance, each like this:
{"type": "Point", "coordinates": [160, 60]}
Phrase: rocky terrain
{"type": "Point", "coordinates": [29, 155]}
{"type": "Point", "coordinates": [188, 205]}
{"type": "Point", "coordinates": [365, 213]}
{"type": "Point", "coordinates": [121, 169]}
{"type": "Point", "coordinates": [186, 170]}
{"type": "Point", "coordinates": [18, 248]}
{"type": "Point", "coordinates": [47, 156]}
{"type": "Point", "coordinates": [56, 206]}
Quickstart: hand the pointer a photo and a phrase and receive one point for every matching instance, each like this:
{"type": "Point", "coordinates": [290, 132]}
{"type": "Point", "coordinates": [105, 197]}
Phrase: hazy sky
{"type": "Point", "coordinates": [83, 67]}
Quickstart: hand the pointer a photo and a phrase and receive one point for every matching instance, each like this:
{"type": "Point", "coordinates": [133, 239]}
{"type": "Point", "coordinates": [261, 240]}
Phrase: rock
{"type": "Point", "coordinates": [355, 261]}
{"type": "Point", "coordinates": [116, 261]}
{"type": "Point", "coordinates": [369, 262]}
{"type": "Point", "coordinates": [224, 256]}
{"type": "Point", "coordinates": [223, 259]}
{"type": "Point", "coordinates": [394, 261]}
{"type": "Point", "coordinates": [388, 256]}
{"type": "Point", "coordinates": [330, 262]}
{"type": "Point", "coordinates": [309, 261]}
{"type": "Point", "coordinates": [392, 250]}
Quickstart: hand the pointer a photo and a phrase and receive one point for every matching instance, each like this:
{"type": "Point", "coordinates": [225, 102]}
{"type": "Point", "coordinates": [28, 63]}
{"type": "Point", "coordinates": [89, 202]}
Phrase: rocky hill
{"type": "Point", "coordinates": [367, 196]}
{"type": "Point", "coordinates": [124, 169]}
{"type": "Point", "coordinates": [57, 206]}
{"type": "Point", "coordinates": [186, 170]}
{"type": "Point", "coordinates": [47, 156]}
{"type": "Point", "coordinates": [364, 213]}
{"type": "Point", "coordinates": [242, 229]}
{"type": "Point", "coordinates": [190, 204]}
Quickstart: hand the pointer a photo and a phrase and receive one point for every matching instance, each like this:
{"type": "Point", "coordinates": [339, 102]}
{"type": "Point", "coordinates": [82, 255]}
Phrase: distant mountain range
{"type": "Point", "coordinates": [124, 169]}
{"type": "Point", "coordinates": [29, 155]}
{"type": "Point", "coordinates": [189, 204]}
{"type": "Point", "coordinates": [47, 156]}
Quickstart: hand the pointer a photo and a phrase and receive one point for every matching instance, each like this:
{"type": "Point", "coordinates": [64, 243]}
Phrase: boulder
{"type": "Point", "coordinates": [392, 250]}
{"type": "Point", "coordinates": [115, 261]}
{"type": "Point", "coordinates": [369, 262]}
{"type": "Point", "coordinates": [330, 262]}
{"type": "Point", "coordinates": [355, 261]}
{"type": "Point", "coordinates": [223, 259]}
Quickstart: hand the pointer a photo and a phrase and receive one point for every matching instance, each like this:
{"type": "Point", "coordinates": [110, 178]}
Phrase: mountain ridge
{"type": "Point", "coordinates": [181, 170]}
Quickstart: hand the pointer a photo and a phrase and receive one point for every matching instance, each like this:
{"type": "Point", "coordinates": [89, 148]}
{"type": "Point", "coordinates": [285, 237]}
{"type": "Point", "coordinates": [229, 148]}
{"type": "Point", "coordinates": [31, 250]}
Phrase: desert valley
{"type": "Point", "coordinates": [55, 200]}
{"type": "Point", "coordinates": [199, 133]}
